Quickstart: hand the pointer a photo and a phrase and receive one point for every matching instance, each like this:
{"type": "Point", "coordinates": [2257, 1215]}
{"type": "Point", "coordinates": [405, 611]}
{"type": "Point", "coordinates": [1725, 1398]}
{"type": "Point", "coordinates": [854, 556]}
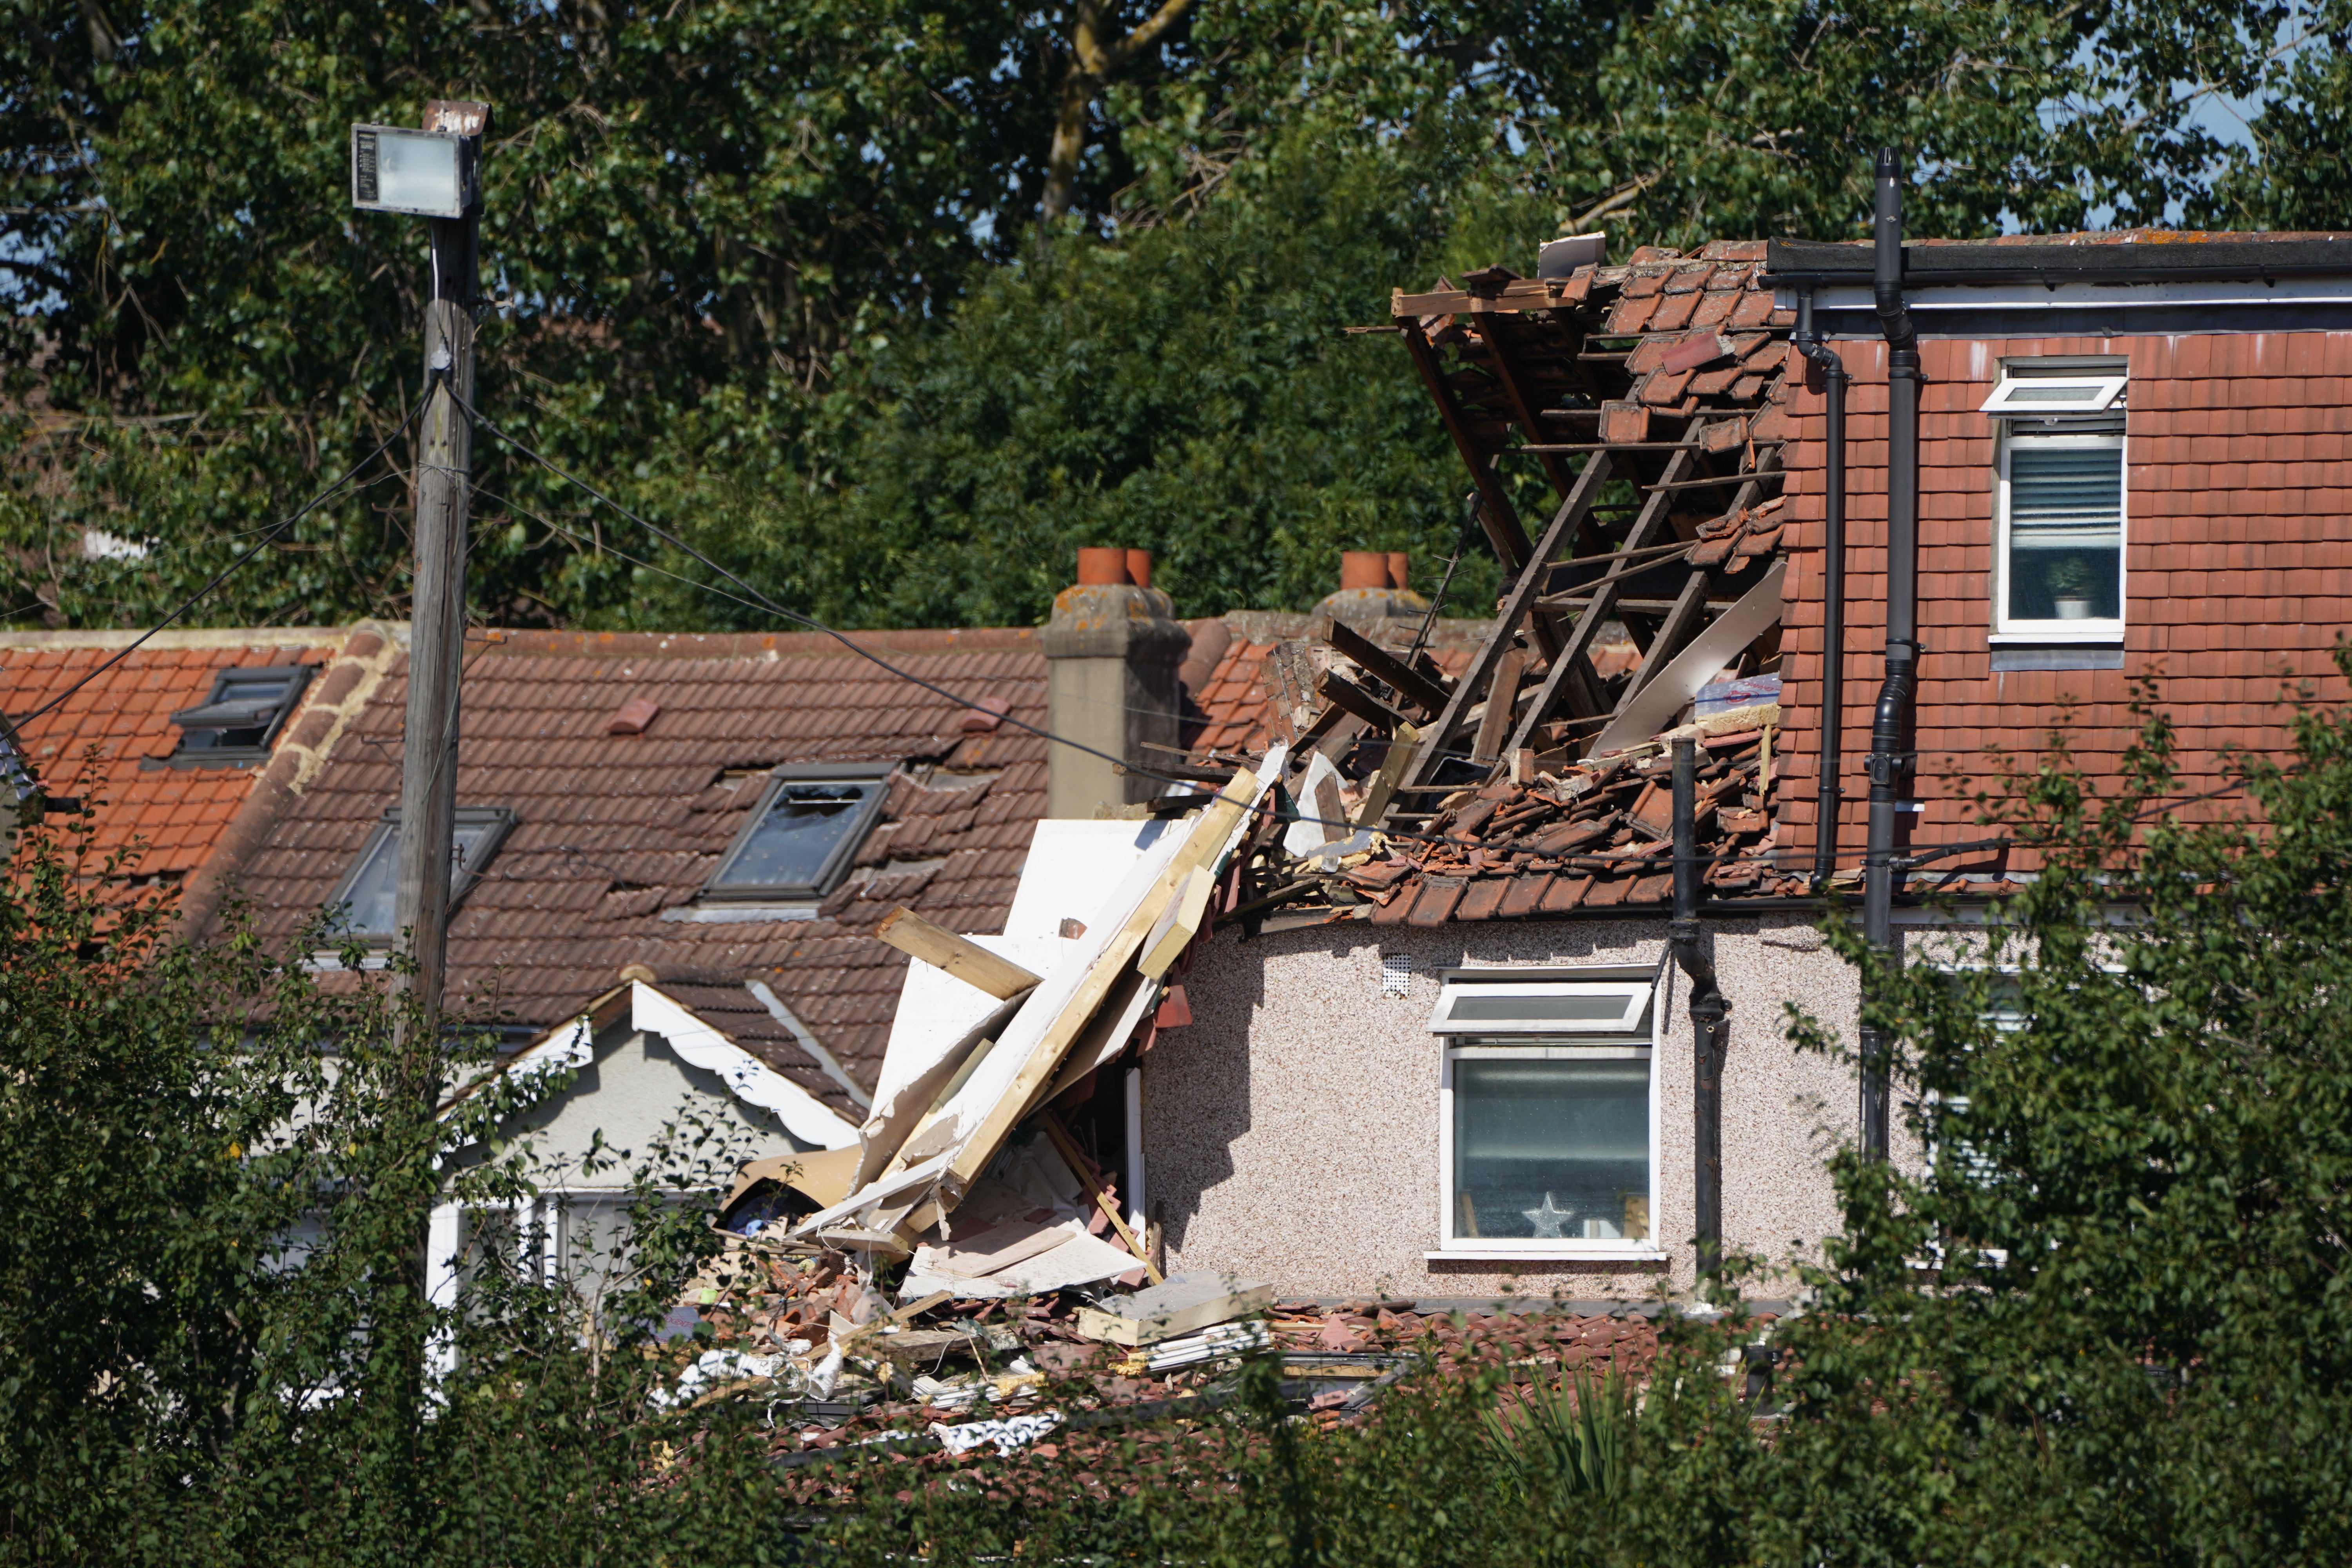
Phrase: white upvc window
{"type": "Point", "coordinates": [2059, 508]}
{"type": "Point", "coordinates": [1548, 1132]}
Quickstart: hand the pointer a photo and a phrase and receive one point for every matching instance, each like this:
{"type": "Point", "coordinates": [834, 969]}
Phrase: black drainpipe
{"type": "Point", "coordinates": [1890, 728]}
{"type": "Point", "coordinates": [1832, 761]}
{"type": "Point", "coordinates": [1706, 1010]}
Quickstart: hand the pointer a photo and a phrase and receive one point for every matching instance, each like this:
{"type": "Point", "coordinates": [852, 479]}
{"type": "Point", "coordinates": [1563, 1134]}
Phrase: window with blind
{"type": "Point", "coordinates": [2058, 567]}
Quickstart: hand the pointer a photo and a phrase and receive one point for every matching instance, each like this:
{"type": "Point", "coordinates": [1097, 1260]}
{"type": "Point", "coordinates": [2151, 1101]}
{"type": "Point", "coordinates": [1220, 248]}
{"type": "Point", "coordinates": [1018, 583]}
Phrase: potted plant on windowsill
{"type": "Point", "coordinates": [2070, 584]}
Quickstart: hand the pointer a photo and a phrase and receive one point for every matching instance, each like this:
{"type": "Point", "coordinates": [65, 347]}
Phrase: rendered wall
{"type": "Point", "coordinates": [1291, 1130]}
{"type": "Point", "coordinates": [634, 1086]}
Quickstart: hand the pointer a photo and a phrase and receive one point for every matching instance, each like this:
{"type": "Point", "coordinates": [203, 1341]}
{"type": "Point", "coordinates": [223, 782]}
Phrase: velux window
{"type": "Point", "coordinates": [364, 901]}
{"type": "Point", "coordinates": [803, 832]}
{"type": "Point", "coordinates": [234, 725]}
{"type": "Point", "coordinates": [2059, 511]}
{"type": "Point", "coordinates": [1547, 1138]}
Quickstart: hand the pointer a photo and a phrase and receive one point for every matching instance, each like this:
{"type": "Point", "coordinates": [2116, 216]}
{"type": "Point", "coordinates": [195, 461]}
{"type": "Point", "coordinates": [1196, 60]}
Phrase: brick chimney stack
{"type": "Point", "coordinates": [1371, 590]}
{"type": "Point", "coordinates": [1112, 647]}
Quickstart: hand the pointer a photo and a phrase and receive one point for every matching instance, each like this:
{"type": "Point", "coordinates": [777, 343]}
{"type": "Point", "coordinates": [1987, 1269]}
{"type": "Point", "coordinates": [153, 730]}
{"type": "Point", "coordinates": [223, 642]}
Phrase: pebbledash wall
{"type": "Point", "coordinates": [1291, 1130]}
{"type": "Point", "coordinates": [2238, 566]}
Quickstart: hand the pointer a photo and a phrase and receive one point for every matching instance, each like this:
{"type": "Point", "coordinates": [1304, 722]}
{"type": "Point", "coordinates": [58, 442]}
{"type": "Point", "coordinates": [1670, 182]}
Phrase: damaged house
{"type": "Point", "coordinates": [1489, 952]}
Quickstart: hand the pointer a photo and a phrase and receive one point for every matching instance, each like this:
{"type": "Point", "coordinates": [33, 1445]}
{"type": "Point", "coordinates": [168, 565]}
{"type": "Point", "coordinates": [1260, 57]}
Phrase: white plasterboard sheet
{"type": "Point", "coordinates": [936, 1009]}
{"type": "Point", "coordinates": [1655, 706]}
{"type": "Point", "coordinates": [1073, 867]}
{"type": "Point", "coordinates": [1081, 1260]}
{"type": "Point", "coordinates": [993, 1077]}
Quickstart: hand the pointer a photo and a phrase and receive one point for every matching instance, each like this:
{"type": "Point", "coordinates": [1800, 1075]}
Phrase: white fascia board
{"type": "Point", "coordinates": [751, 1080]}
{"type": "Point", "coordinates": [571, 1044]}
{"type": "Point", "coordinates": [2061, 296]}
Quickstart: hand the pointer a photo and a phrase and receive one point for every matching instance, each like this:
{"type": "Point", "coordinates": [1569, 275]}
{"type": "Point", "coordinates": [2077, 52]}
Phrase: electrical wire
{"type": "Point", "coordinates": [228, 571]}
{"type": "Point", "coordinates": [772, 607]}
{"type": "Point", "coordinates": [769, 606]}
{"type": "Point", "coordinates": [760, 601]}
{"type": "Point", "coordinates": [606, 547]}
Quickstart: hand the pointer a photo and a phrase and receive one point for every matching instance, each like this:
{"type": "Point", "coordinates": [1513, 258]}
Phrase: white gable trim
{"type": "Point", "coordinates": [823, 1058]}
{"type": "Point", "coordinates": [753, 1081]}
{"type": "Point", "coordinates": [572, 1045]}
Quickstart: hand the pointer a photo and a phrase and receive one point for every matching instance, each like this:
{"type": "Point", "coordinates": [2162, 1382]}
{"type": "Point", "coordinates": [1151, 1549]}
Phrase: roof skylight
{"type": "Point", "coordinates": [366, 900]}
{"type": "Point", "coordinates": [803, 832]}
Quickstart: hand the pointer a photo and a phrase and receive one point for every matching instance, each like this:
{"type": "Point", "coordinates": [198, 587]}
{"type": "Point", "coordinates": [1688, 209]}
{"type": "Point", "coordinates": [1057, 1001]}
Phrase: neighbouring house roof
{"type": "Point", "coordinates": [178, 815]}
{"type": "Point", "coordinates": [615, 834]}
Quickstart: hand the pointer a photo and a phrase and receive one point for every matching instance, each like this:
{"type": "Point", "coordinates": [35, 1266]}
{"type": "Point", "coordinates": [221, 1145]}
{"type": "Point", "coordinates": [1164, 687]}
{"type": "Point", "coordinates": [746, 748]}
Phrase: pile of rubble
{"type": "Point", "coordinates": [1593, 834]}
{"type": "Point", "coordinates": [834, 1367]}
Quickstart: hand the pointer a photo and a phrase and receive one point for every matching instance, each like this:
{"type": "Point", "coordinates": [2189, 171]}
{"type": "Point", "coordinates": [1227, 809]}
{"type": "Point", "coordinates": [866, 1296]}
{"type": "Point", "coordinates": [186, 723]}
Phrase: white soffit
{"type": "Point", "coordinates": [751, 1080]}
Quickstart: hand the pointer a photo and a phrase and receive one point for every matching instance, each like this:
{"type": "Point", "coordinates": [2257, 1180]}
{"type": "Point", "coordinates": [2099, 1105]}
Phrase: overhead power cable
{"type": "Point", "coordinates": [759, 600]}
{"type": "Point", "coordinates": [226, 573]}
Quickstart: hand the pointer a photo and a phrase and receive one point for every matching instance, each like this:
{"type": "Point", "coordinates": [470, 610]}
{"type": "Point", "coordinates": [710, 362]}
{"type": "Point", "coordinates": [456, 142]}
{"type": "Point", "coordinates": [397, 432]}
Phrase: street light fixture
{"type": "Point", "coordinates": [429, 173]}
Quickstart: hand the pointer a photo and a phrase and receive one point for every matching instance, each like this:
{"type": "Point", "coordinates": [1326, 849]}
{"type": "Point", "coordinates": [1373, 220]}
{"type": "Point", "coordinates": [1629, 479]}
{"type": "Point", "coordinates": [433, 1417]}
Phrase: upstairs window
{"type": "Point", "coordinates": [803, 832]}
{"type": "Point", "coordinates": [234, 725]}
{"type": "Point", "coordinates": [2059, 508]}
{"type": "Point", "coordinates": [364, 901]}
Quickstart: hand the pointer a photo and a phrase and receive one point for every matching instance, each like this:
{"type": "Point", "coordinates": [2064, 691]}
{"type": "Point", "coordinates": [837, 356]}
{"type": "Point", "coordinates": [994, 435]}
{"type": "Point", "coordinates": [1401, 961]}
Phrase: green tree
{"type": "Point", "coordinates": [723, 236]}
{"type": "Point", "coordinates": [213, 1344]}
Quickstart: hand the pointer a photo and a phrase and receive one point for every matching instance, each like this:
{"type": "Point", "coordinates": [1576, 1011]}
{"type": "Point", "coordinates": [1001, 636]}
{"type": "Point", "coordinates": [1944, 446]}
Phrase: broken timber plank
{"type": "Point", "coordinates": [1383, 787]}
{"type": "Point", "coordinates": [1502, 523]}
{"type": "Point", "coordinates": [1381, 665]}
{"type": "Point", "coordinates": [1500, 698]}
{"type": "Point", "coordinates": [1202, 848]}
{"type": "Point", "coordinates": [1084, 1169]}
{"type": "Point", "coordinates": [1505, 358]}
{"type": "Point", "coordinates": [1176, 927]}
{"type": "Point", "coordinates": [1514, 609]}
{"type": "Point", "coordinates": [1344, 693]}
{"type": "Point", "coordinates": [1645, 528]}
{"type": "Point", "coordinates": [968, 961]}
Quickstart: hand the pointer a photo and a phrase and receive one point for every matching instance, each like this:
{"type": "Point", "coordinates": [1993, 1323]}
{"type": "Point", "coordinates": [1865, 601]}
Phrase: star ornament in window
{"type": "Point", "coordinates": [1548, 1219]}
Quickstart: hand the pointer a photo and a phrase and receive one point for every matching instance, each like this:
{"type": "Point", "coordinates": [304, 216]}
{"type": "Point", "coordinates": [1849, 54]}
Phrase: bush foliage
{"type": "Point", "coordinates": [2102, 1318]}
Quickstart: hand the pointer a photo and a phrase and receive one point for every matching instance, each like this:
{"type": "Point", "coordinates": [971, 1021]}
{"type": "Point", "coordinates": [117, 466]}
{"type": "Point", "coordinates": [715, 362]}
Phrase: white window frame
{"type": "Point", "coordinates": [2095, 392]}
{"type": "Point", "coordinates": [1631, 1036]}
{"type": "Point", "coordinates": [2099, 424]}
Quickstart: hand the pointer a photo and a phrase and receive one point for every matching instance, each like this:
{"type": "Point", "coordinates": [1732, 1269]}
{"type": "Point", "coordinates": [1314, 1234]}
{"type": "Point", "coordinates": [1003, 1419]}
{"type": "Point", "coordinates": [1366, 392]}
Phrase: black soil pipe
{"type": "Point", "coordinates": [1707, 1012]}
{"type": "Point", "coordinates": [1831, 797]}
{"type": "Point", "coordinates": [1890, 727]}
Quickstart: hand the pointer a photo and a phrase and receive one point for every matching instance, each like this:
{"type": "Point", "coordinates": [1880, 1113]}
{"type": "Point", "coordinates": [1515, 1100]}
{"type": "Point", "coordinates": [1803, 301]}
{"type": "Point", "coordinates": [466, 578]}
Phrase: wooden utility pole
{"type": "Point", "coordinates": [436, 634]}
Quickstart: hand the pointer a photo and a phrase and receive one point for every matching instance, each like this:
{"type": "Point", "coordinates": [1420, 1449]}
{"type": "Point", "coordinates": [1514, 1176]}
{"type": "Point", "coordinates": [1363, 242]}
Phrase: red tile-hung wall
{"type": "Point", "coordinates": [2238, 571]}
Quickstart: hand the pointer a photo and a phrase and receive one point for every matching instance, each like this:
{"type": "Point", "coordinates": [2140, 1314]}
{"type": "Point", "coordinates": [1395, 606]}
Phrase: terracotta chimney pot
{"type": "Point", "coordinates": [1400, 569]}
{"type": "Point", "coordinates": [1363, 569]}
{"type": "Point", "coordinates": [1138, 568]}
{"type": "Point", "coordinates": [1101, 566]}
